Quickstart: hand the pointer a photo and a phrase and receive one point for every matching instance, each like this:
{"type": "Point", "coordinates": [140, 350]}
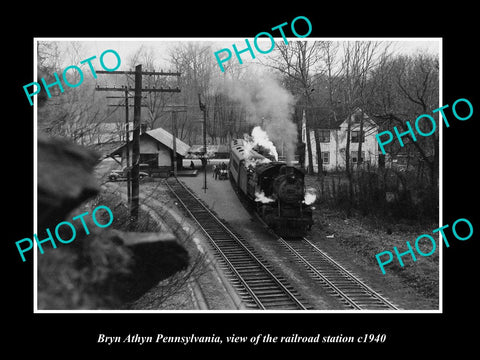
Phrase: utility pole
{"type": "Point", "coordinates": [204, 109]}
{"type": "Point", "coordinates": [174, 139]}
{"type": "Point", "coordinates": [174, 135]}
{"type": "Point", "coordinates": [127, 138]}
{"type": "Point", "coordinates": [136, 126]}
{"type": "Point", "coordinates": [127, 131]}
{"type": "Point", "coordinates": [137, 120]}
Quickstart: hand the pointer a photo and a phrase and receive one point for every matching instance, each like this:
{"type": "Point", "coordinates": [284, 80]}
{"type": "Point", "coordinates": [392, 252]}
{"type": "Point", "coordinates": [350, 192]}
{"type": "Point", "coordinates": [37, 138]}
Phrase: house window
{"type": "Point", "coordinates": [326, 157]}
{"type": "Point", "coordinates": [356, 136]}
{"type": "Point", "coordinates": [324, 136]}
{"type": "Point", "coordinates": [354, 156]}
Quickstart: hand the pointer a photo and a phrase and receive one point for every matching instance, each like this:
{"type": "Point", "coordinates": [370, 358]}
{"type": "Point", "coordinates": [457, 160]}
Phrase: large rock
{"type": "Point", "coordinates": [64, 177]}
{"type": "Point", "coordinates": [156, 256]}
{"type": "Point", "coordinates": [107, 267]}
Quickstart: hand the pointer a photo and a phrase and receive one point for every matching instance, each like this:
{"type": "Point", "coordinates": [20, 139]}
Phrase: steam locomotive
{"type": "Point", "coordinates": [276, 189]}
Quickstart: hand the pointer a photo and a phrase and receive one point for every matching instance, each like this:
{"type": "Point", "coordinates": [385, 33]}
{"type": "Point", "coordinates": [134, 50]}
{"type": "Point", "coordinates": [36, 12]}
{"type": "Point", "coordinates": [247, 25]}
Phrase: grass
{"type": "Point", "coordinates": [364, 230]}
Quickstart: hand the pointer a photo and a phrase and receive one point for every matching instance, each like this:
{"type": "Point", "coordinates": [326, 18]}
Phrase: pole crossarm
{"type": "Point", "coordinates": [100, 88]}
{"type": "Point", "coordinates": [163, 73]}
{"type": "Point", "coordinates": [123, 97]}
{"type": "Point", "coordinates": [161, 89]}
{"type": "Point", "coordinates": [123, 105]}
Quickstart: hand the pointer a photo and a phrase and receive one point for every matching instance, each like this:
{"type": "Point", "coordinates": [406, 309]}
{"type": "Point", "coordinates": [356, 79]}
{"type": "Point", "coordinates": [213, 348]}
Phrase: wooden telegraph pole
{"type": "Point", "coordinates": [127, 138]}
{"type": "Point", "coordinates": [174, 112]}
{"type": "Point", "coordinates": [174, 140]}
{"type": "Point", "coordinates": [204, 109]}
{"type": "Point", "coordinates": [137, 120]}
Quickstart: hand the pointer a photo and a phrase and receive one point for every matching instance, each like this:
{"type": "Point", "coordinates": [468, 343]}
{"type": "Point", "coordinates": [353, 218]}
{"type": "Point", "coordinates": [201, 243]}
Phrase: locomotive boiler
{"type": "Point", "coordinates": [276, 189]}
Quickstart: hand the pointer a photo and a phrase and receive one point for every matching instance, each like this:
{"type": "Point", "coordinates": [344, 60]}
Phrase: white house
{"type": "Point", "coordinates": [333, 141]}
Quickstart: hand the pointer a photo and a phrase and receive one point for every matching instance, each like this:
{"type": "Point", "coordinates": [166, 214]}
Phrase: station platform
{"type": "Point", "coordinates": [221, 198]}
{"type": "Point", "coordinates": [186, 173]}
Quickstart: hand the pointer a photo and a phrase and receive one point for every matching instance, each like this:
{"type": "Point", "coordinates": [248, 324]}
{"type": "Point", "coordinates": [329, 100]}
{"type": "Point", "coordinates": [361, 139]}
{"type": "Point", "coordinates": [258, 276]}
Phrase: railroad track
{"type": "Point", "coordinates": [352, 291]}
{"type": "Point", "coordinates": [254, 279]}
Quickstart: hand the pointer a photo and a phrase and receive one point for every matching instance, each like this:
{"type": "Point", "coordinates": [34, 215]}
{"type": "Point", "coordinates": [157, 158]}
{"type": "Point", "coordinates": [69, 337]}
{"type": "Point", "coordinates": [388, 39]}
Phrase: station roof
{"type": "Point", "coordinates": [163, 137]}
{"type": "Point", "coordinates": [166, 138]}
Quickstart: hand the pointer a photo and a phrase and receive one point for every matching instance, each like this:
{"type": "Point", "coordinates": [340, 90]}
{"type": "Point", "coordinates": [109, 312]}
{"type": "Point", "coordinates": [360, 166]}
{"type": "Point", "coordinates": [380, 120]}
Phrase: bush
{"type": "Point", "coordinates": [385, 193]}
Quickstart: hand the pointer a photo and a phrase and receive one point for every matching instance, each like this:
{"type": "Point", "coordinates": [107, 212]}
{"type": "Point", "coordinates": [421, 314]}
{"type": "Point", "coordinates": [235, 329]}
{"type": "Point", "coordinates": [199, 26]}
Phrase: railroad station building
{"type": "Point", "coordinates": [332, 132]}
{"type": "Point", "coordinates": [156, 150]}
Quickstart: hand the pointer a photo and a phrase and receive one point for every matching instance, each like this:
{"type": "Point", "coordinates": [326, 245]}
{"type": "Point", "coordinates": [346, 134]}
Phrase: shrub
{"type": "Point", "coordinates": [385, 193]}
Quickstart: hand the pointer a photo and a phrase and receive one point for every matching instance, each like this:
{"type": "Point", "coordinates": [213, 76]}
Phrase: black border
{"type": "Point", "coordinates": [407, 333]}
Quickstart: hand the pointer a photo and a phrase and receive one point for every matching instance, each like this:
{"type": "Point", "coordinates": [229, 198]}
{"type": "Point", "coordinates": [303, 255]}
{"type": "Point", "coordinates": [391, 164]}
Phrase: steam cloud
{"type": "Point", "coordinates": [310, 196]}
{"type": "Point", "coordinates": [258, 137]}
{"type": "Point", "coordinates": [260, 197]}
{"type": "Point", "coordinates": [268, 104]}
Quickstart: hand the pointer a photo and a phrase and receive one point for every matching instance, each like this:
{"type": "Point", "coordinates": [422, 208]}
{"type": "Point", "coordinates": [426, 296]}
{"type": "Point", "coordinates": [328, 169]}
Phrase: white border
{"type": "Point", "coordinates": [222, 40]}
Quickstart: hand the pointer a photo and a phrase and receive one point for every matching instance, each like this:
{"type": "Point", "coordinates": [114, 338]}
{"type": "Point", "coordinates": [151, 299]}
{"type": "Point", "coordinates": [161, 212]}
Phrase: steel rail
{"type": "Point", "coordinates": [351, 276]}
{"type": "Point", "coordinates": [344, 274]}
{"type": "Point", "coordinates": [237, 241]}
{"type": "Point", "coordinates": [220, 251]}
{"type": "Point", "coordinates": [317, 272]}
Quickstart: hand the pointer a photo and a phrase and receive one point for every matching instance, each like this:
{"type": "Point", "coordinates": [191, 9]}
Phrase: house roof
{"type": "Point", "coordinates": [163, 137]}
{"type": "Point", "coordinates": [323, 118]}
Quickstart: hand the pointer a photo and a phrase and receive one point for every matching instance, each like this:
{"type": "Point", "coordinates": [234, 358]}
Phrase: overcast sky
{"type": "Point", "coordinates": [126, 47]}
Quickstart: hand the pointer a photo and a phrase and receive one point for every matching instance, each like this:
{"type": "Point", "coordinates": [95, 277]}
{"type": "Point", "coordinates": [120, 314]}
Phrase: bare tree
{"type": "Point", "coordinates": [299, 62]}
{"type": "Point", "coordinates": [194, 61]}
{"type": "Point", "coordinates": [48, 57]}
{"type": "Point", "coordinates": [359, 59]}
{"type": "Point", "coordinates": [157, 104]}
{"type": "Point", "coordinates": [404, 88]}
{"type": "Point", "coordinates": [76, 113]}
{"type": "Point", "coordinates": [330, 51]}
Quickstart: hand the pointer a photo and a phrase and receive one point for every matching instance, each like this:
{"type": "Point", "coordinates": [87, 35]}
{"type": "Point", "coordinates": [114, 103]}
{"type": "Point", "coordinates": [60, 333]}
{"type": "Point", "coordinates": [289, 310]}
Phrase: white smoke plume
{"type": "Point", "coordinates": [253, 161]}
{"type": "Point", "coordinates": [260, 197]}
{"type": "Point", "coordinates": [267, 104]}
{"type": "Point", "coordinates": [310, 196]}
{"type": "Point", "coordinates": [260, 137]}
